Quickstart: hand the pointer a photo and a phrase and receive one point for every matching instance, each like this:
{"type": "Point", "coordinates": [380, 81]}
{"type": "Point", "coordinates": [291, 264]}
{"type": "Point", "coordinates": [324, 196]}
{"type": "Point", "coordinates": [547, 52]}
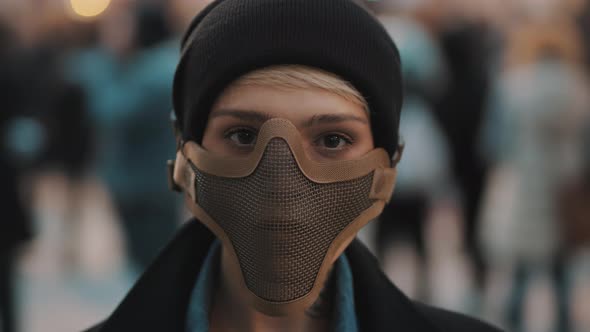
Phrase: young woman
{"type": "Point", "coordinates": [287, 129]}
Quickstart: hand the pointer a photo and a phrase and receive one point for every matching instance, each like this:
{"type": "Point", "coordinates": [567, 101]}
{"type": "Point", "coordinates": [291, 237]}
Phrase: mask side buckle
{"type": "Point", "coordinates": [383, 184]}
{"type": "Point", "coordinates": [384, 178]}
{"type": "Point", "coordinates": [183, 175]}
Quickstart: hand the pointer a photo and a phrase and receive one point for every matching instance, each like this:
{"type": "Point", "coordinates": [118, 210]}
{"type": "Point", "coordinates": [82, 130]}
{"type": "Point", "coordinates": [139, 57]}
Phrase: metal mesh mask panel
{"type": "Point", "coordinates": [279, 222]}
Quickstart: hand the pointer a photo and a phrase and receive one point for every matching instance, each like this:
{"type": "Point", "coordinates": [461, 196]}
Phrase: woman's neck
{"type": "Point", "coordinates": [231, 312]}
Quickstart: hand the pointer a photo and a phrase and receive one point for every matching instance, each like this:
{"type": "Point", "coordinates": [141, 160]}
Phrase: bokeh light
{"type": "Point", "coordinates": [89, 8]}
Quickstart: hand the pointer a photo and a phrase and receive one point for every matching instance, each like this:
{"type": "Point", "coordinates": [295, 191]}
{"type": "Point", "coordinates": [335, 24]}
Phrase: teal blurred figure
{"type": "Point", "coordinates": [129, 96]}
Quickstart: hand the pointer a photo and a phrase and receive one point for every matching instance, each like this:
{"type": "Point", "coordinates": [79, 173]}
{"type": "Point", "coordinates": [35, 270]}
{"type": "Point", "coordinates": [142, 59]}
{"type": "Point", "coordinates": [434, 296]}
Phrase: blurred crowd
{"type": "Point", "coordinates": [491, 214]}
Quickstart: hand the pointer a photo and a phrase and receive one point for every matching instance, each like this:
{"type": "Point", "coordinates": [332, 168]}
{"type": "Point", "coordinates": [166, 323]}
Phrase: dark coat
{"type": "Point", "coordinates": [159, 300]}
{"type": "Point", "coordinates": [15, 223]}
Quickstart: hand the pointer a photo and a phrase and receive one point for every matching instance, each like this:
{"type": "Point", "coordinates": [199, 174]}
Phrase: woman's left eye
{"type": "Point", "coordinates": [333, 141]}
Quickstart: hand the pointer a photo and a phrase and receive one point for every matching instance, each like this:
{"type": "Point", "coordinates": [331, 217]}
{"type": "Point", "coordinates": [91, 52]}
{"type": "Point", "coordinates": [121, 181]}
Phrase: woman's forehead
{"type": "Point", "coordinates": [259, 102]}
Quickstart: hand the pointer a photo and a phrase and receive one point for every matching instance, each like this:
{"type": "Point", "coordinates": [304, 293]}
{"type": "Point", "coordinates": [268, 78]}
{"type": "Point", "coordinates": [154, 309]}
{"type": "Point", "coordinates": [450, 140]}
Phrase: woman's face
{"type": "Point", "coordinates": [331, 127]}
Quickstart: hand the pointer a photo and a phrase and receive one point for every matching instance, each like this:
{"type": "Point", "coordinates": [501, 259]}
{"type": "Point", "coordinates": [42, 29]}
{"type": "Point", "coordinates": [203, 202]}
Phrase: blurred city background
{"type": "Point", "coordinates": [491, 215]}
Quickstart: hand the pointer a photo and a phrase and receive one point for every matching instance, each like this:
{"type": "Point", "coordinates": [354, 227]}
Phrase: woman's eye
{"type": "Point", "coordinates": [242, 137]}
{"type": "Point", "coordinates": [334, 141]}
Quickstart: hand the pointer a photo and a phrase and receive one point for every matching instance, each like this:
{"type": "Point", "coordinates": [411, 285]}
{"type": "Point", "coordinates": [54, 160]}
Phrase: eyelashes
{"type": "Point", "coordinates": [241, 136]}
{"type": "Point", "coordinates": [329, 143]}
{"type": "Point", "coordinates": [333, 141]}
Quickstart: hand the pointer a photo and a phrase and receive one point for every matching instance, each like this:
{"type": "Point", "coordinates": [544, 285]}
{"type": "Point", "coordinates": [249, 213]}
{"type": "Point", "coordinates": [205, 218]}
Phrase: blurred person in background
{"type": "Point", "coordinates": [68, 148]}
{"type": "Point", "coordinates": [126, 78]}
{"type": "Point", "coordinates": [66, 156]}
{"type": "Point", "coordinates": [447, 67]}
{"type": "Point", "coordinates": [15, 224]}
{"type": "Point", "coordinates": [422, 184]}
{"type": "Point", "coordinates": [59, 106]}
{"type": "Point", "coordinates": [574, 211]}
{"type": "Point", "coordinates": [573, 203]}
{"type": "Point", "coordinates": [533, 137]}
{"type": "Point", "coordinates": [465, 38]}
{"type": "Point", "coordinates": [48, 131]}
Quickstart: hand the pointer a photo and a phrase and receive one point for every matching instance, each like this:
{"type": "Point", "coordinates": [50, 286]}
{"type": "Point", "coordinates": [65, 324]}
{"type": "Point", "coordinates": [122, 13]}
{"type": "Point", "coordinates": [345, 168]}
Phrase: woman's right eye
{"type": "Point", "coordinates": [242, 137]}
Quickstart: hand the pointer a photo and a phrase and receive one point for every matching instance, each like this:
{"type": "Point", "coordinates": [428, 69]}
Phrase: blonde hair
{"type": "Point", "coordinates": [295, 77]}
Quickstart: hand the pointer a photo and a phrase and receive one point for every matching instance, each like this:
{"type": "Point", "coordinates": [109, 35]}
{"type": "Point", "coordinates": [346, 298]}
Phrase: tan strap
{"type": "Point", "coordinates": [383, 184]}
{"type": "Point", "coordinates": [182, 176]}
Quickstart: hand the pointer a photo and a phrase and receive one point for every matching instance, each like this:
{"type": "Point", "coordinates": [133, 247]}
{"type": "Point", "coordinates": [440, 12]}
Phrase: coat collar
{"type": "Point", "coordinates": [380, 305]}
{"type": "Point", "coordinates": [159, 300]}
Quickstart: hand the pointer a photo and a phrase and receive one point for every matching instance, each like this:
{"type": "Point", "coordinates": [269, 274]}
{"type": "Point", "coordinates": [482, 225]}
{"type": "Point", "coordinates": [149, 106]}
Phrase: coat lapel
{"type": "Point", "coordinates": [159, 300]}
{"type": "Point", "coordinates": [380, 306]}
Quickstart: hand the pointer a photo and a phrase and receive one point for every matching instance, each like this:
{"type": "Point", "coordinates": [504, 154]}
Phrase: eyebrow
{"type": "Point", "coordinates": [333, 118]}
{"type": "Point", "coordinates": [251, 116]}
{"type": "Point", "coordinates": [261, 117]}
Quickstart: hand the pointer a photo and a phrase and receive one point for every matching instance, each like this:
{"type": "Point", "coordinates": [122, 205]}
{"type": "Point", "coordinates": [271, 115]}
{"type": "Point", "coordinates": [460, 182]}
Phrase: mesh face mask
{"type": "Point", "coordinates": [282, 217]}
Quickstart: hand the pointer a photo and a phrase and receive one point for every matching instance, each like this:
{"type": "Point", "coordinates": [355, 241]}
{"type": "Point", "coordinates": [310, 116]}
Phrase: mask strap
{"type": "Point", "coordinates": [181, 177]}
{"type": "Point", "coordinates": [384, 178]}
{"type": "Point", "coordinates": [178, 170]}
{"type": "Point", "coordinates": [383, 184]}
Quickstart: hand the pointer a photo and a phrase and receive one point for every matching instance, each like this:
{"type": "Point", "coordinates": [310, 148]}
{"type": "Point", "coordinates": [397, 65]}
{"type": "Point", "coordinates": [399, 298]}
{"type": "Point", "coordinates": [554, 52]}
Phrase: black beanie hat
{"type": "Point", "coordinates": [230, 38]}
